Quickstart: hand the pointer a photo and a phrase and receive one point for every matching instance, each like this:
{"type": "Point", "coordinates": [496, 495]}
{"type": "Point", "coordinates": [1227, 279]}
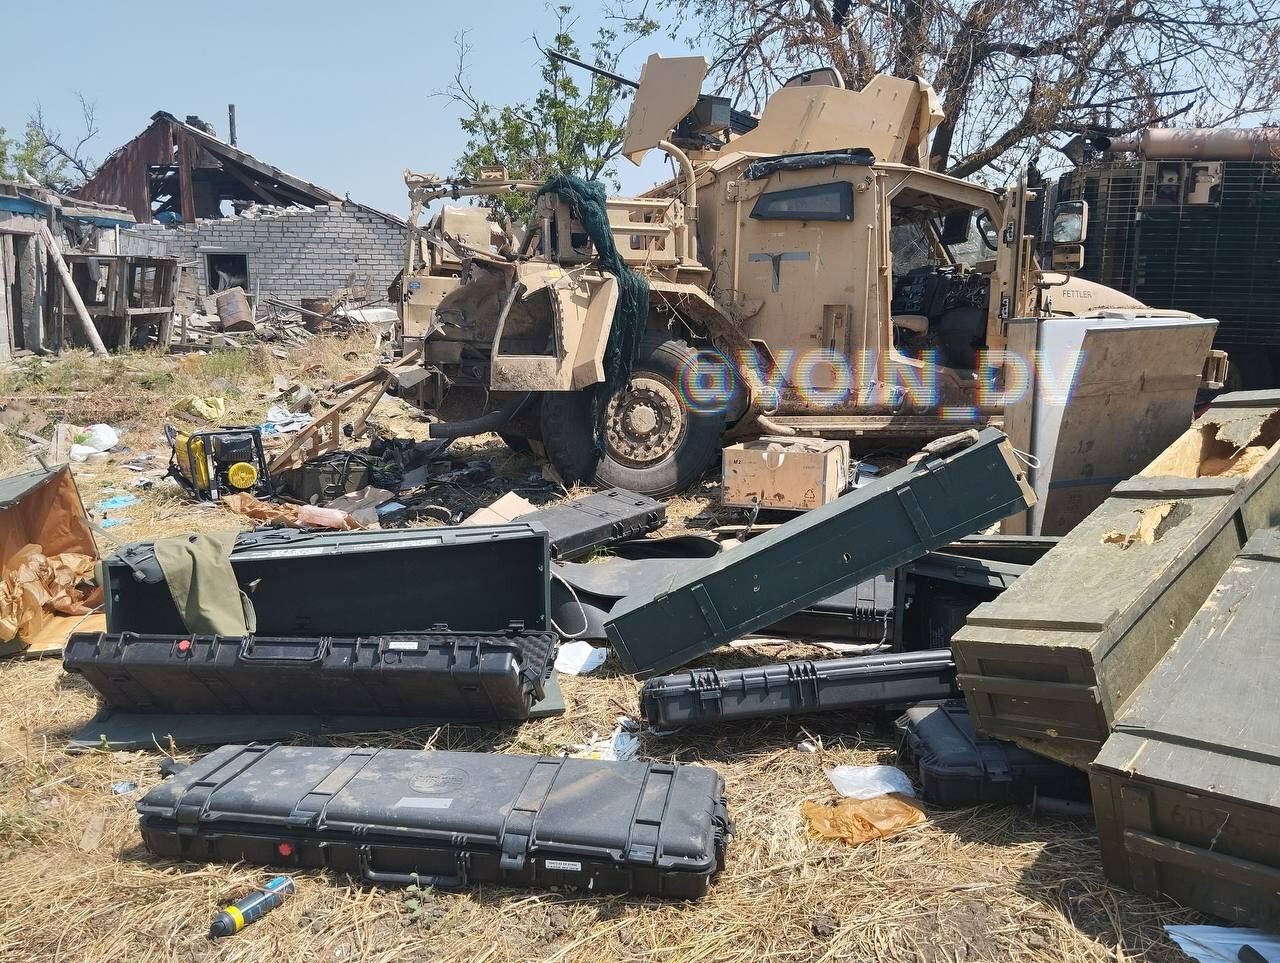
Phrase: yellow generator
{"type": "Point", "coordinates": [224, 461]}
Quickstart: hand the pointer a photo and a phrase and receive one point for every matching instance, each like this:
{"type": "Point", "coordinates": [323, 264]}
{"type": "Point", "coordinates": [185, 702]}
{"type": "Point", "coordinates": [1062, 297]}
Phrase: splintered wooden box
{"type": "Point", "coordinates": [1186, 791]}
{"type": "Point", "coordinates": [1051, 662]}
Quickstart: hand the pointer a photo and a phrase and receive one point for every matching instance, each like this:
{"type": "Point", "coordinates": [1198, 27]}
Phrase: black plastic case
{"type": "Point", "coordinates": [580, 526]}
{"type": "Point", "coordinates": [437, 674]}
{"type": "Point", "coordinates": [863, 613]}
{"type": "Point", "coordinates": [933, 596]}
{"type": "Point", "coordinates": [961, 767]}
{"type": "Point", "coordinates": [705, 696]}
{"type": "Point", "coordinates": [451, 818]}
{"type": "Point", "coordinates": [482, 578]}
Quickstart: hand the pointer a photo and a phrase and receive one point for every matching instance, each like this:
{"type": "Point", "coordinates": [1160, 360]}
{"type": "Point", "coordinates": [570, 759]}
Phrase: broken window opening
{"type": "Point", "coordinates": [224, 271]}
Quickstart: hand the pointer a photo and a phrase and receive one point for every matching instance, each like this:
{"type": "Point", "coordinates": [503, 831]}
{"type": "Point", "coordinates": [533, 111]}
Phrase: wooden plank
{"type": "Point", "coordinates": [69, 286]}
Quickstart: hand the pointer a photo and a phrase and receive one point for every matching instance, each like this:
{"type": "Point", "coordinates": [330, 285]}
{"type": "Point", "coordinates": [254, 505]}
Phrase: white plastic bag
{"type": "Point", "coordinates": [79, 453]}
{"type": "Point", "coordinates": [579, 658]}
{"type": "Point", "coordinates": [867, 782]}
{"type": "Point", "coordinates": [101, 437]}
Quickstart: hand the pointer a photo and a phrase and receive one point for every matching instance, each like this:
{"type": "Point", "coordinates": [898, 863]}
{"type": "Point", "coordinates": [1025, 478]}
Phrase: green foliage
{"type": "Point", "coordinates": [572, 124]}
{"type": "Point", "coordinates": [31, 153]}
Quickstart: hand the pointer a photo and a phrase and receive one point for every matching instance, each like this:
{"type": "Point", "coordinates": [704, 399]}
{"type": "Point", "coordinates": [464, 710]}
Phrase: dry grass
{"type": "Point", "coordinates": [984, 884]}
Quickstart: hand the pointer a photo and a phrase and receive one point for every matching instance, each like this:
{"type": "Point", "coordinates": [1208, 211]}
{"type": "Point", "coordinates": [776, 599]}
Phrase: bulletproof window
{"type": "Point", "coordinates": [819, 202]}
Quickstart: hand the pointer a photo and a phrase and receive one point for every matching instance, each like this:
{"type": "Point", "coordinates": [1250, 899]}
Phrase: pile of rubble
{"type": "Point", "coordinates": [227, 320]}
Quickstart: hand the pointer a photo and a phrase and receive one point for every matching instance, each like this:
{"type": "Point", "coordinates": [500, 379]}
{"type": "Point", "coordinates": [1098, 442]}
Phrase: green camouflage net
{"type": "Point", "coordinates": [586, 200]}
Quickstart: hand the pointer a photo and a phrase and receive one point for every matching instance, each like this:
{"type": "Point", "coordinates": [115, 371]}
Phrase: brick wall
{"type": "Point", "coordinates": [299, 253]}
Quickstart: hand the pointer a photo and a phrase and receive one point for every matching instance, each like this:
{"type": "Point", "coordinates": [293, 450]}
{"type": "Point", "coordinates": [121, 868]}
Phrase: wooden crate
{"type": "Point", "coordinates": [1052, 661]}
{"type": "Point", "coordinates": [1186, 790]}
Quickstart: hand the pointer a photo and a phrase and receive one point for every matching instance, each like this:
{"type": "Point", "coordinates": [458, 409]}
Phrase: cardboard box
{"type": "Point", "coordinates": [795, 473]}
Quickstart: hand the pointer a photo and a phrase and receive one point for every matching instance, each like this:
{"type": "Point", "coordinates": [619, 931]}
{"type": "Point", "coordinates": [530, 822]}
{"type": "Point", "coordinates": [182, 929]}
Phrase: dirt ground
{"type": "Point", "coordinates": [972, 885]}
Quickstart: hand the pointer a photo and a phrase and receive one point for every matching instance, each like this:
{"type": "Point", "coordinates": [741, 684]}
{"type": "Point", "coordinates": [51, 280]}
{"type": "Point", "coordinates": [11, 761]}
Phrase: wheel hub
{"type": "Point", "coordinates": [645, 422]}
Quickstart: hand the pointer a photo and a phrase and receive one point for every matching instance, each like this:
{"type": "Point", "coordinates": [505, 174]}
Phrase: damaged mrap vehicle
{"type": "Point", "coordinates": [806, 273]}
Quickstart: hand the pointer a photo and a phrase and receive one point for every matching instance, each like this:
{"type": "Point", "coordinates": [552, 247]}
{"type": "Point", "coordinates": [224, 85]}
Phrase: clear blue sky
{"type": "Point", "coordinates": [336, 93]}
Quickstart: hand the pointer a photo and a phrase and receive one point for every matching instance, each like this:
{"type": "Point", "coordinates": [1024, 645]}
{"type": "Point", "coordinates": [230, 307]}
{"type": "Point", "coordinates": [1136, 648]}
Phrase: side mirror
{"type": "Point", "coordinates": [1068, 257]}
{"type": "Point", "coordinates": [1070, 222]}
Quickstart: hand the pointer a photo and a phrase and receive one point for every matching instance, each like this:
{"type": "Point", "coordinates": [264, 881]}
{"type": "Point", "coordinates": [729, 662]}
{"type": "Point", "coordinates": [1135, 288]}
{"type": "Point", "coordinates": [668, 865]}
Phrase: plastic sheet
{"type": "Point", "coordinates": [867, 782]}
{"type": "Point", "coordinates": [289, 516]}
{"type": "Point", "coordinates": [1221, 944]}
{"type": "Point", "coordinates": [579, 658]}
{"type": "Point", "coordinates": [857, 821]}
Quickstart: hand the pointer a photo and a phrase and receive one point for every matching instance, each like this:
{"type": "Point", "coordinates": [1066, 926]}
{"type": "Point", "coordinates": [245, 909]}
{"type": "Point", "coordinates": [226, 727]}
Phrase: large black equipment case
{"type": "Point", "coordinates": [476, 579]}
{"type": "Point", "coordinates": [448, 818]}
{"type": "Point", "coordinates": [579, 526]}
{"type": "Point", "coordinates": [961, 767]}
{"type": "Point", "coordinates": [436, 674]}
{"type": "Point", "coordinates": [868, 531]}
{"type": "Point", "coordinates": [934, 595]}
{"type": "Point", "coordinates": [863, 613]}
{"type": "Point", "coordinates": [709, 695]}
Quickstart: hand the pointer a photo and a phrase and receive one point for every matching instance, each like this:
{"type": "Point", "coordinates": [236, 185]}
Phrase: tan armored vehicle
{"type": "Point", "coordinates": [806, 272]}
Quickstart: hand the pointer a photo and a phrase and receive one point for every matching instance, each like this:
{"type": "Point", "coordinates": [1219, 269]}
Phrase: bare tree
{"type": "Point", "coordinates": [61, 152]}
{"type": "Point", "coordinates": [1014, 76]}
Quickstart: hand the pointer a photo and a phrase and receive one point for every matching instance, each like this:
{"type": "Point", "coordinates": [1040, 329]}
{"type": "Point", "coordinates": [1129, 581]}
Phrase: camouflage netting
{"type": "Point", "coordinates": [586, 200]}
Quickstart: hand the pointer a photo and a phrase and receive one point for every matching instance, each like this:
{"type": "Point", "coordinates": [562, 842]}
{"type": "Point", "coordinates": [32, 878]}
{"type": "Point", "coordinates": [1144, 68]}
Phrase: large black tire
{"type": "Point", "coordinates": [685, 440]}
{"type": "Point", "coordinates": [517, 443]}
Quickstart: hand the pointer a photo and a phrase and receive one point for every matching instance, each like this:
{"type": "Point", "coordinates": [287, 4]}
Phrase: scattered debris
{"type": "Point", "coordinates": [817, 554]}
{"type": "Point", "coordinates": [210, 409]}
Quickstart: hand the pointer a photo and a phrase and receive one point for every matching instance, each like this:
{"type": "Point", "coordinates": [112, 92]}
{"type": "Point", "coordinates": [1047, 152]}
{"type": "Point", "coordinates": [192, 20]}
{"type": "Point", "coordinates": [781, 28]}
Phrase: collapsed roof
{"type": "Point", "coordinates": [177, 171]}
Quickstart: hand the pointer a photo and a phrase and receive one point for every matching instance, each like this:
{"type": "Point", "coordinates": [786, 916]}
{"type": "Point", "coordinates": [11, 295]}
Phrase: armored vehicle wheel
{"type": "Point", "coordinates": [517, 443]}
{"type": "Point", "coordinates": [656, 444]}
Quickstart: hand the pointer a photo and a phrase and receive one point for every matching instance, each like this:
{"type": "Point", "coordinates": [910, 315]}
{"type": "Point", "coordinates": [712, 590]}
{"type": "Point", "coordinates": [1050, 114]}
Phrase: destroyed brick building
{"type": "Point", "coordinates": [234, 220]}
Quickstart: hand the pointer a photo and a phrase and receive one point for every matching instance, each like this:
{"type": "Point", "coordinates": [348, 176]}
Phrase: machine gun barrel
{"type": "Point", "coordinates": [598, 71]}
{"type": "Point", "coordinates": [739, 121]}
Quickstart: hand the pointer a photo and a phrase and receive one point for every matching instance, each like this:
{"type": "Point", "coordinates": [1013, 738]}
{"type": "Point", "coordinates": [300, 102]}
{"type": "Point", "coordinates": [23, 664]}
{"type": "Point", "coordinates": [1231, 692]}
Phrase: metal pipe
{"type": "Point", "coordinates": [478, 426]}
{"type": "Point", "coordinates": [1201, 143]}
{"type": "Point", "coordinates": [772, 427]}
{"type": "Point", "coordinates": [690, 199]}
